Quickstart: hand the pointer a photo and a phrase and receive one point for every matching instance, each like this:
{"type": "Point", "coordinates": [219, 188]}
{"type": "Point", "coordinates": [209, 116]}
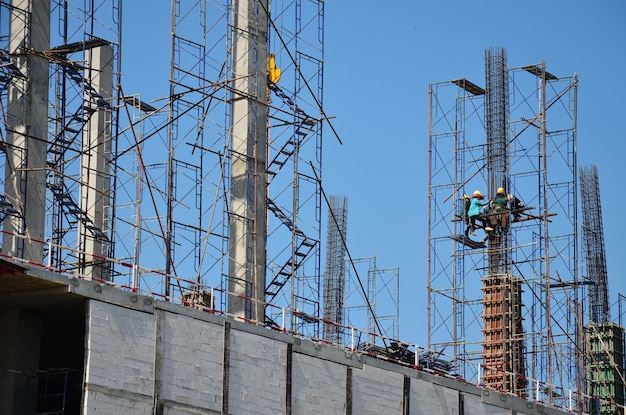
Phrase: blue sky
{"type": "Point", "coordinates": [379, 62]}
{"type": "Point", "coordinates": [380, 58]}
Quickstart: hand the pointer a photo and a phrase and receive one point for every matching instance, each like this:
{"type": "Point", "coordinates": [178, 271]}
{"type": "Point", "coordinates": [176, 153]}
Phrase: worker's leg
{"type": "Point", "coordinates": [503, 220]}
{"type": "Point", "coordinates": [486, 223]}
{"type": "Point", "coordinates": [472, 225]}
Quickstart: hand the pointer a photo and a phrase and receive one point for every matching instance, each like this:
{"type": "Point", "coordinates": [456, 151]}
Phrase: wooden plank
{"type": "Point", "coordinates": [531, 217]}
{"type": "Point", "coordinates": [505, 210]}
{"type": "Point", "coordinates": [468, 242]}
{"type": "Point", "coordinates": [459, 218]}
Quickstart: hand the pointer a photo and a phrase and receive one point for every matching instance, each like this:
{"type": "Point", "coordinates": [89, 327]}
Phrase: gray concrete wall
{"type": "Point", "coordinates": [183, 361]}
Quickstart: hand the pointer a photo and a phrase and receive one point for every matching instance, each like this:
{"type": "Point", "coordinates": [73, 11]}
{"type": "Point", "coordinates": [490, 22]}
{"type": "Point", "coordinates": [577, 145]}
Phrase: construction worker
{"type": "Point", "coordinates": [474, 211]}
{"type": "Point", "coordinates": [499, 206]}
{"type": "Point", "coordinates": [467, 201]}
{"type": "Point", "coordinates": [516, 206]}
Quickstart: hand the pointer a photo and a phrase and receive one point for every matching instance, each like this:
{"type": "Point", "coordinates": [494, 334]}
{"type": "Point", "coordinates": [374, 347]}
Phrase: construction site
{"type": "Point", "coordinates": [188, 255]}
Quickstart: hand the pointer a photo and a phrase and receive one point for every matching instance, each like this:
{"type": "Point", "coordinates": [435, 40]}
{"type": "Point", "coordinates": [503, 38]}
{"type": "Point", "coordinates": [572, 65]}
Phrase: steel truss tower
{"type": "Point", "coordinates": [604, 340]}
{"type": "Point", "coordinates": [335, 274]}
{"type": "Point", "coordinates": [518, 132]}
{"type": "Point", "coordinates": [593, 243]}
{"type": "Point", "coordinates": [154, 196]}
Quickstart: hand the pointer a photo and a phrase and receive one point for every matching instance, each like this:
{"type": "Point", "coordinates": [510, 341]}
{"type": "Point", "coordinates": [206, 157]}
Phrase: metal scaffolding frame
{"type": "Point", "coordinates": [295, 163]}
{"type": "Point", "coordinates": [81, 53]}
{"type": "Point", "coordinates": [373, 303]}
{"type": "Point", "coordinates": [540, 272]}
{"type": "Point", "coordinates": [164, 229]}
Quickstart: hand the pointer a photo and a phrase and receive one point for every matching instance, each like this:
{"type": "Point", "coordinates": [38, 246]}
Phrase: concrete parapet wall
{"type": "Point", "coordinates": [376, 391]}
{"type": "Point", "coordinates": [167, 359]}
{"type": "Point", "coordinates": [119, 371]}
{"type": "Point", "coordinates": [319, 386]}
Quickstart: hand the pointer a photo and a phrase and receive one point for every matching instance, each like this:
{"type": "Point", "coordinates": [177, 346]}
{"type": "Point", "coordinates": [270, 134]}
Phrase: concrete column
{"type": "Point", "coordinates": [27, 129]}
{"type": "Point", "coordinates": [95, 165]}
{"type": "Point", "coordinates": [248, 163]}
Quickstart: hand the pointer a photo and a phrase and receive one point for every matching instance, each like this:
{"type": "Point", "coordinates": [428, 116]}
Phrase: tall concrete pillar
{"type": "Point", "coordinates": [247, 220]}
{"type": "Point", "coordinates": [95, 189]}
{"type": "Point", "coordinates": [27, 129]}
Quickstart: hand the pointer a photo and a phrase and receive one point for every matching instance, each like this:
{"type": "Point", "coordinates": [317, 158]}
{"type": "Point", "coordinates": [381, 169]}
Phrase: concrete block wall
{"type": "Point", "coordinates": [376, 391]}
{"type": "Point", "coordinates": [191, 362]}
{"type": "Point", "coordinates": [428, 398]}
{"type": "Point", "coordinates": [173, 360]}
{"type": "Point", "coordinates": [257, 374]}
{"type": "Point", "coordinates": [318, 386]}
{"type": "Point", "coordinates": [119, 370]}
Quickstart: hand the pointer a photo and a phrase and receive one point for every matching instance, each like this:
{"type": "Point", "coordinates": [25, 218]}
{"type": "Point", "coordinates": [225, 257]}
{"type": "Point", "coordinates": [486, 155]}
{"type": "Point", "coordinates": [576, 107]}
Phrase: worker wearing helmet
{"type": "Point", "coordinates": [499, 204]}
{"type": "Point", "coordinates": [477, 202]}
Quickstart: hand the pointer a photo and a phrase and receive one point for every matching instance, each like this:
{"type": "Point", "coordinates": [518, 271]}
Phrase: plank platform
{"type": "Point", "coordinates": [468, 241]}
{"type": "Point", "coordinates": [506, 210]}
{"type": "Point", "coordinates": [531, 217]}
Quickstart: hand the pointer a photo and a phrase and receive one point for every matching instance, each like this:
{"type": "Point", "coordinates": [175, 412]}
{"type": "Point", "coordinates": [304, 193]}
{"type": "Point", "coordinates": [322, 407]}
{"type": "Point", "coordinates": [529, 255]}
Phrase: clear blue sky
{"type": "Point", "coordinates": [380, 58]}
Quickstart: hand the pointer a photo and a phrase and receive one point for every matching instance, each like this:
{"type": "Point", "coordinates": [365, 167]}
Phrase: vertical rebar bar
{"type": "Point", "coordinates": [501, 290]}
{"type": "Point", "coordinates": [335, 274]}
{"type": "Point", "coordinates": [593, 241]}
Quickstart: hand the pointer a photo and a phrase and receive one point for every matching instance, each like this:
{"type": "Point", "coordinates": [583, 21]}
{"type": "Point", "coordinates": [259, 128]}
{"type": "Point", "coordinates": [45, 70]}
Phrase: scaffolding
{"type": "Point", "coordinates": [144, 195]}
{"type": "Point", "coordinates": [58, 121]}
{"type": "Point", "coordinates": [356, 291]}
{"type": "Point", "coordinates": [373, 303]}
{"type": "Point", "coordinates": [519, 286]}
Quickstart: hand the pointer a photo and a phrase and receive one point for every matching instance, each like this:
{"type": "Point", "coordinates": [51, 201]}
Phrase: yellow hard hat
{"type": "Point", "coordinates": [466, 197]}
{"type": "Point", "coordinates": [477, 193]}
{"type": "Point", "coordinates": [500, 190]}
